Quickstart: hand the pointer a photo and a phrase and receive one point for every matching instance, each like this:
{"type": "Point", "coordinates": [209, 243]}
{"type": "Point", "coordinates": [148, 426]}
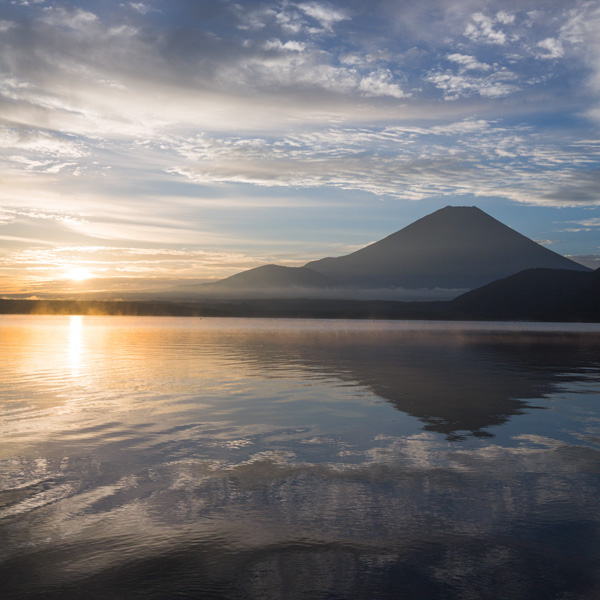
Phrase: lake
{"type": "Point", "coordinates": [294, 459]}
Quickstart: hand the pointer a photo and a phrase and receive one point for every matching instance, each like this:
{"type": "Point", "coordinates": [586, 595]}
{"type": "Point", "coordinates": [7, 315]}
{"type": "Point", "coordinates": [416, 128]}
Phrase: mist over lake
{"type": "Point", "coordinates": [147, 457]}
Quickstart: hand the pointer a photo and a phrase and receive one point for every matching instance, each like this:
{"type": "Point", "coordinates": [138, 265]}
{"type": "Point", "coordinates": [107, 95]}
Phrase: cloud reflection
{"type": "Point", "coordinates": [459, 522]}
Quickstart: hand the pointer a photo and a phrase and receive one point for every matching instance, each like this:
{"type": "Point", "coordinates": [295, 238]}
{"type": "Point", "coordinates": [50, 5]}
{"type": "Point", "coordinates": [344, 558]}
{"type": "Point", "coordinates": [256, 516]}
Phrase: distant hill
{"type": "Point", "coordinates": [272, 276]}
{"type": "Point", "coordinates": [454, 247]}
{"type": "Point", "coordinates": [584, 305]}
{"type": "Point", "coordinates": [533, 294]}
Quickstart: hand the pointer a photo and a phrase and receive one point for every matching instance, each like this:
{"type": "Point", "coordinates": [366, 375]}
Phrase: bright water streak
{"type": "Point", "coordinates": [185, 458]}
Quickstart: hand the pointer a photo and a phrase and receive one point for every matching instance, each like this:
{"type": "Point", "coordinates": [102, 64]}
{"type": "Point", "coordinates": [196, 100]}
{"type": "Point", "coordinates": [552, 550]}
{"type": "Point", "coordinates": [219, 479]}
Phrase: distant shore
{"type": "Point", "coordinates": [261, 308]}
{"type": "Point", "coordinates": [264, 308]}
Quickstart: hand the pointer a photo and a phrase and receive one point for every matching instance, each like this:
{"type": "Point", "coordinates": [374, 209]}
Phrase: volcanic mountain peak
{"type": "Point", "coordinates": [454, 247]}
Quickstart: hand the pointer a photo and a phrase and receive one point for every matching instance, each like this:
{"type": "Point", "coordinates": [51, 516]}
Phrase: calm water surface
{"type": "Point", "coordinates": [240, 459]}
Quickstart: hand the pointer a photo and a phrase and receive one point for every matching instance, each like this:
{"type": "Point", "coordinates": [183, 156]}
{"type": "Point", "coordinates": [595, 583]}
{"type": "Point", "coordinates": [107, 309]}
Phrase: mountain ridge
{"type": "Point", "coordinates": [454, 249]}
{"type": "Point", "coordinates": [532, 294]}
{"type": "Point", "coordinates": [272, 276]}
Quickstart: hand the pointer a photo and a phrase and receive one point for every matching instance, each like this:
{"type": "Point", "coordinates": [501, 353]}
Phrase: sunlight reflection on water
{"type": "Point", "coordinates": [223, 458]}
{"type": "Point", "coordinates": [75, 342]}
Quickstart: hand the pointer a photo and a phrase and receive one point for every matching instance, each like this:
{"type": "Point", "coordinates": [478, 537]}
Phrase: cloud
{"type": "Point", "coordinates": [326, 14]}
{"type": "Point", "coordinates": [38, 141]}
{"type": "Point", "coordinates": [460, 127]}
{"type": "Point", "coordinates": [290, 45]}
{"type": "Point", "coordinates": [593, 222]}
{"type": "Point", "coordinates": [576, 186]}
{"type": "Point", "coordinates": [481, 29]}
{"type": "Point", "coordinates": [468, 63]}
{"type": "Point", "coordinates": [381, 83]}
{"type": "Point", "coordinates": [142, 8]}
{"type": "Point", "coordinates": [460, 85]}
{"type": "Point", "coordinates": [505, 18]}
{"type": "Point", "coordinates": [276, 72]}
{"type": "Point", "coordinates": [291, 18]}
{"type": "Point", "coordinates": [74, 18]}
{"type": "Point", "coordinates": [10, 215]}
{"type": "Point", "coordinates": [553, 48]}
{"type": "Point", "coordinates": [577, 38]}
{"type": "Point", "coordinates": [310, 71]}
{"type": "Point", "coordinates": [467, 157]}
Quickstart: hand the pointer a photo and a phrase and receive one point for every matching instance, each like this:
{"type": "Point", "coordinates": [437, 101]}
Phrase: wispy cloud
{"type": "Point", "coordinates": [593, 222]}
{"type": "Point", "coordinates": [459, 85]}
{"type": "Point", "coordinates": [327, 15]}
{"type": "Point", "coordinates": [478, 158]}
{"type": "Point", "coordinates": [468, 63]}
{"type": "Point", "coordinates": [482, 28]}
{"type": "Point", "coordinates": [551, 47]}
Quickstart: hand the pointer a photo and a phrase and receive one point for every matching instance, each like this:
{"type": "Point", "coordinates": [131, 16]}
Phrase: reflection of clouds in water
{"type": "Point", "coordinates": [410, 503]}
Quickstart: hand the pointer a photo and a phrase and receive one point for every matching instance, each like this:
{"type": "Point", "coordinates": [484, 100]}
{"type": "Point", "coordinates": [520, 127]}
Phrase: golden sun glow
{"type": "Point", "coordinates": [75, 342]}
{"type": "Point", "coordinates": [78, 274]}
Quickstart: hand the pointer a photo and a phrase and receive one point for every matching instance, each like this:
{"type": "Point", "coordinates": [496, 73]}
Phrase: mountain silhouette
{"type": "Point", "coordinates": [584, 305]}
{"type": "Point", "coordinates": [533, 294]}
{"type": "Point", "coordinates": [272, 276]}
{"type": "Point", "coordinates": [452, 248]}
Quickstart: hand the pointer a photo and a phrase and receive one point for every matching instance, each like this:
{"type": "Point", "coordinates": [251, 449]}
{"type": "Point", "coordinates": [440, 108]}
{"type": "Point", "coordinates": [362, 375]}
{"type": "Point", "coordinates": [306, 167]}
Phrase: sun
{"type": "Point", "coordinates": [78, 274]}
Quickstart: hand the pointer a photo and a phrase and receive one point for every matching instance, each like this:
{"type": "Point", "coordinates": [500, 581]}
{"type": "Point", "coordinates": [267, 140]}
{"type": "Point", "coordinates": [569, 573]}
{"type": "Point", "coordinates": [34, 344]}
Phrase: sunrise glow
{"type": "Point", "coordinates": [78, 274]}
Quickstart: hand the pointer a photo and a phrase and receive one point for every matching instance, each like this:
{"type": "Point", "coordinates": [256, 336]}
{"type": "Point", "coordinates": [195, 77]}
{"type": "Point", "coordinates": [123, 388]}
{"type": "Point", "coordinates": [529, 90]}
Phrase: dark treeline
{"type": "Point", "coordinates": [96, 307]}
{"type": "Point", "coordinates": [538, 295]}
{"type": "Point", "coordinates": [283, 308]}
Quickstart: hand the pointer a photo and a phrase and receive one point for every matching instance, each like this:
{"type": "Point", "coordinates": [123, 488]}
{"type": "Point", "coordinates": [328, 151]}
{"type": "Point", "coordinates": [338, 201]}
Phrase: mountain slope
{"type": "Point", "coordinates": [533, 294]}
{"type": "Point", "coordinates": [454, 247]}
{"type": "Point", "coordinates": [272, 276]}
{"type": "Point", "coordinates": [585, 304]}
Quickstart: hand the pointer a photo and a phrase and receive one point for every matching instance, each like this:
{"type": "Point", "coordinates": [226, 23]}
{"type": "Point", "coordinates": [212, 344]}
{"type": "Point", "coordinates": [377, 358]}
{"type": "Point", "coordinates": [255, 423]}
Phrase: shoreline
{"type": "Point", "coordinates": [269, 308]}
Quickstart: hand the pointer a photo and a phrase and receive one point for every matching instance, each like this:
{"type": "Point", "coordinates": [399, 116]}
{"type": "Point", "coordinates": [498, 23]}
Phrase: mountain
{"type": "Point", "coordinates": [272, 276]}
{"type": "Point", "coordinates": [533, 294]}
{"type": "Point", "coordinates": [585, 303]}
{"type": "Point", "coordinates": [452, 248]}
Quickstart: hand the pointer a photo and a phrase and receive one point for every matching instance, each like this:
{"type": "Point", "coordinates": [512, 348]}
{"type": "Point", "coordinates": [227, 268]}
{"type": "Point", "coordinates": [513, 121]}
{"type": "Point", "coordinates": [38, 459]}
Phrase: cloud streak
{"type": "Point", "coordinates": [478, 158]}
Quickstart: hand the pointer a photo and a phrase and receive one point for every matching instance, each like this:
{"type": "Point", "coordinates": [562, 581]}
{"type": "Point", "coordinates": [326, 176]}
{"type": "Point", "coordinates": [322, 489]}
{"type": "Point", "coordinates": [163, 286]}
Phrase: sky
{"type": "Point", "coordinates": [148, 144]}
